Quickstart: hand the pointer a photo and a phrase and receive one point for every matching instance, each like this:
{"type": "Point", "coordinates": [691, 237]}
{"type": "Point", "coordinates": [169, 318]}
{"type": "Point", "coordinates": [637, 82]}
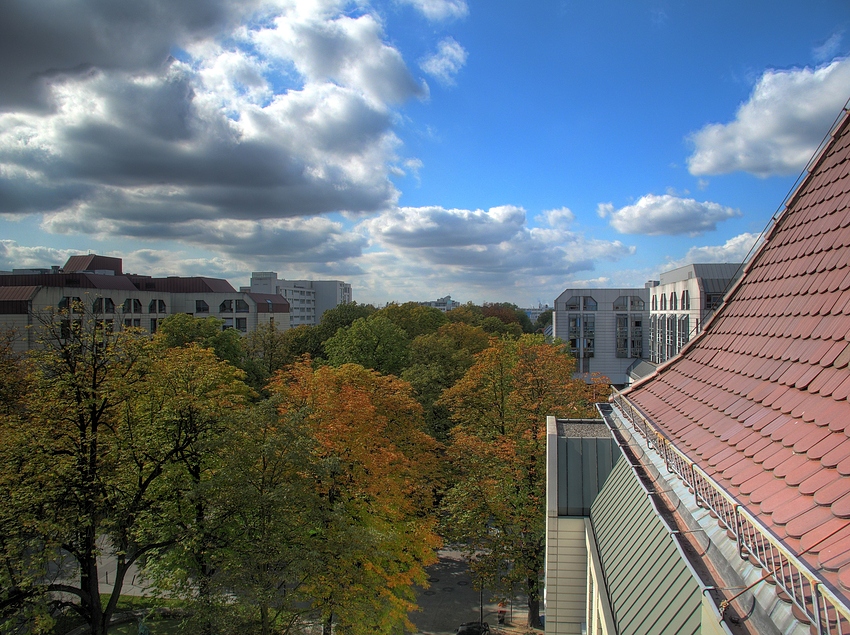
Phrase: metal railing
{"type": "Point", "coordinates": [828, 613]}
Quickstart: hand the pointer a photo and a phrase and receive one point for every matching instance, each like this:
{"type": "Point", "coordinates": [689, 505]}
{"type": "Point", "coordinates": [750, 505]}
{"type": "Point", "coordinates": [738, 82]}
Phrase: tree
{"type": "Point", "coordinates": [437, 361]}
{"type": "Point", "coordinates": [497, 505]}
{"type": "Point", "coordinates": [88, 468]}
{"type": "Point", "coordinates": [198, 403]}
{"type": "Point", "coordinates": [414, 318]}
{"type": "Point", "coordinates": [543, 320]}
{"type": "Point", "coordinates": [468, 314]}
{"type": "Point", "coordinates": [373, 474]}
{"type": "Point", "coordinates": [340, 316]}
{"type": "Point", "coordinates": [267, 350]}
{"type": "Point", "coordinates": [373, 342]}
{"type": "Point", "coordinates": [181, 329]}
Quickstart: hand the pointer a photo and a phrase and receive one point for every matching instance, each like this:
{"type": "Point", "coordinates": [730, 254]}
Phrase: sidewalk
{"type": "Point", "coordinates": [450, 600]}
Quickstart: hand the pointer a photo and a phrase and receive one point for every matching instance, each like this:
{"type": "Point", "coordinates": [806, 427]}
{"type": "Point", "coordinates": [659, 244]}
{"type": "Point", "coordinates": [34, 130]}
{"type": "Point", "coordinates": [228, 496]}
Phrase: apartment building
{"type": "Point", "coordinates": [308, 299]}
{"type": "Point", "coordinates": [127, 300]}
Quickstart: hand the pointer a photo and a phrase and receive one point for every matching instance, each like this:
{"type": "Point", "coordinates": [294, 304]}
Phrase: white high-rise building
{"type": "Point", "coordinates": [308, 299]}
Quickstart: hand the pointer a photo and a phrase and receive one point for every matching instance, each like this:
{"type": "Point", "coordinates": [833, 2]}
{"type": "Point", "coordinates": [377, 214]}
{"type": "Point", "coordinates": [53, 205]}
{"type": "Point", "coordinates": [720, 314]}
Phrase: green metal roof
{"type": "Point", "coordinates": [650, 587]}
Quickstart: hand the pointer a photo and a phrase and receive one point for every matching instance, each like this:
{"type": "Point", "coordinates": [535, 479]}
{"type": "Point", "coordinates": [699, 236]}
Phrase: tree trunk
{"type": "Point", "coordinates": [533, 604]}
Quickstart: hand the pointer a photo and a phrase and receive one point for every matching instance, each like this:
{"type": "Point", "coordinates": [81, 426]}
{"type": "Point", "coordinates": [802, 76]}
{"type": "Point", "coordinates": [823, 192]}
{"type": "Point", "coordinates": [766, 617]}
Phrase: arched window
{"type": "Point", "coordinates": [654, 302]}
{"type": "Point", "coordinates": [686, 300]}
{"type": "Point", "coordinates": [673, 301]}
{"type": "Point", "coordinates": [663, 302]}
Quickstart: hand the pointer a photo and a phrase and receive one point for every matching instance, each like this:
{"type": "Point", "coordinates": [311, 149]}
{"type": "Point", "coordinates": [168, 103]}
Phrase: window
{"type": "Point", "coordinates": [156, 306]}
{"type": "Point", "coordinates": [131, 305]}
{"type": "Point", "coordinates": [636, 336]}
{"type": "Point", "coordinates": [72, 304]}
{"type": "Point", "coordinates": [674, 301]}
{"type": "Point", "coordinates": [201, 306]}
{"type": "Point", "coordinates": [654, 302]}
{"type": "Point", "coordinates": [713, 300]}
{"type": "Point", "coordinates": [228, 324]}
{"type": "Point", "coordinates": [132, 322]}
{"type": "Point", "coordinates": [621, 303]}
{"type": "Point", "coordinates": [242, 324]}
{"type": "Point", "coordinates": [589, 303]}
{"type": "Point", "coordinates": [663, 302]}
{"type": "Point", "coordinates": [153, 325]}
{"type": "Point", "coordinates": [242, 306]}
{"type": "Point", "coordinates": [103, 305]}
{"type": "Point", "coordinates": [686, 300]}
{"type": "Point", "coordinates": [636, 303]}
{"type": "Point", "coordinates": [573, 304]}
{"type": "Point", "coordinates": [622, 335]}
{"type": "Point", "coordinates": [226, 306]}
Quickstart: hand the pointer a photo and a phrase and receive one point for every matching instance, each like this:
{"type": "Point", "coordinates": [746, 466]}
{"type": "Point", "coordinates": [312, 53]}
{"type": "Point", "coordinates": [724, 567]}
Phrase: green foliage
{"type": "Point", "coordinates": [181, 329]}
{"type": "Point", "coordinates": [415, 319]}
{"type": "Point", "coordinates": [339, 317]}
{"type": "Point", "coordinates": [495, 326]}
{"type": "Point", "coordinates": [94, 462]}
{"type": "Point", "coordinates": [372, 342]}
{"type": "Point", "coordinates": [437, 361]}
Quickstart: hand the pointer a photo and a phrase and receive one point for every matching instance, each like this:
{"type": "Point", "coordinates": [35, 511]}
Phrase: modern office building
{"type": "Point", "coordinates": [727, 506]}
{"type": "Point", "coordinates": [682, 301]}
{"type": "Point", "coordinates": [308, 299]}
{"type": "Point", "coordinates": [130, 300]}
{"type": "Point", "coordinates": [606, 329]}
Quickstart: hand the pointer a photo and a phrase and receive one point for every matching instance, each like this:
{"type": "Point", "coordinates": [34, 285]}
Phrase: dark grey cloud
{"type": "Point", "coordinates": [48, 40]}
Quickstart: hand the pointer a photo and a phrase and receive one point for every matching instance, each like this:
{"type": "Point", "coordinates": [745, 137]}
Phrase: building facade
{"type": "Point", "coordinates": [604, 328]}
{"type": "Point", "coordinates": [308, 299]}
{"type": "Point", "coordinates": [443, 304]}
{"type": "Point", "coordinates": [681, 302]}
{"type": "Point", "coordinates": [127, 300]}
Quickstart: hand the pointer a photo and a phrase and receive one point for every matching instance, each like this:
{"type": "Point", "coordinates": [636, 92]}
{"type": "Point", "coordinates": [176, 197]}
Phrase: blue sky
{"type": "Point", "coordinates": [494, 151]}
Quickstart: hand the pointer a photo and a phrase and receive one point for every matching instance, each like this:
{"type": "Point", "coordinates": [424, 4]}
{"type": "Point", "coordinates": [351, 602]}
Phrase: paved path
{"type": "Point", "coordinates": [451, 600]}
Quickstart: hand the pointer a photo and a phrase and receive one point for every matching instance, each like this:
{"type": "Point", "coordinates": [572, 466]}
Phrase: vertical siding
{"type": "Point", "coordinates": [583, 465]}
{"type": "Point", "coordinates": [651, 590]}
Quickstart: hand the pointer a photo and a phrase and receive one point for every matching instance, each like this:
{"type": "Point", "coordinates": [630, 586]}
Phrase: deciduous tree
{"type": "Point", "coordinates": [496, 508]}
{"type": "Point", "coordinates": [374, 470]}
{"type": "Point", "coordinates": [373, 342]}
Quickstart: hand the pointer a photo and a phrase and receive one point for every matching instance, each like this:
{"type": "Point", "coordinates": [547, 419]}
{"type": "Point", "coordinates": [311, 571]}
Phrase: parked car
{"type": "Point", "coordinates": [473, 628]}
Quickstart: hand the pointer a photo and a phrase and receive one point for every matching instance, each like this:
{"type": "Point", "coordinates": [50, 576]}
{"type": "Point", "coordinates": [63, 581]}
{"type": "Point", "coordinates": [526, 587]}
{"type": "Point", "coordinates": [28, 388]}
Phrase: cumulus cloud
{"type": "Point", "coordinates": [440, 9]}
{"type": "Point", "coordinates": [482, 249]}
{"type": "Point", "coordinates": [666, 215]}
{"type": "Point", "coordinates": [446, 63]}
{"type": "Point", "coordinates": [736, 249]}
{"type": "Point", "coordinates": [285, 116]}
{"type": "Point", "coordinates": [779, 127]}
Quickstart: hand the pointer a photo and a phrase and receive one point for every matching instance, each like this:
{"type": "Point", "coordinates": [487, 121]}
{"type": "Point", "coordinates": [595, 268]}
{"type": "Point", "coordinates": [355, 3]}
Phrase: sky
{"type": "Point", "coordinates": [491, 150]}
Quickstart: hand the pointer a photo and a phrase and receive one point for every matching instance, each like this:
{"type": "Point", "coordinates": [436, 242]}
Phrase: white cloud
{"type": "Point", "coordinates": [438, 10]}
{"type": "Point", "coordinates": [446, 63]}
{"type": "Point", "coordinates": [779, 127]}
{"type": "Point", "coordinates": [736, 249]}
{"type": "Point", "coordinates": [480, 250]}
{"type": "Point", "coordinates": [666, 215]}
{"type": "Point", "coordinates": [560, 218]}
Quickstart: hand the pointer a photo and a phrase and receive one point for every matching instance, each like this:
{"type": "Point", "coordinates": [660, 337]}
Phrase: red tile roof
{"type": "Point", "coordinates": [760, 399]}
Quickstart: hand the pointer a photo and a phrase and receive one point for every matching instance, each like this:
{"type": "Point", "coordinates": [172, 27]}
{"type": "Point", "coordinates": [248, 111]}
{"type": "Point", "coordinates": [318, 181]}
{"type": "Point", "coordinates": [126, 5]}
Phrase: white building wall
{"type": "Point", "coordinates": [603, 355]}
